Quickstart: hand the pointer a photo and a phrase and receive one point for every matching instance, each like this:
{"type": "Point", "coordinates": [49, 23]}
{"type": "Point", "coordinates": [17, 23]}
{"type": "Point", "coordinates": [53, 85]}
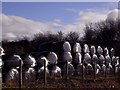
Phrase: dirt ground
{"type": "Point", "coordinates": [75, 83]}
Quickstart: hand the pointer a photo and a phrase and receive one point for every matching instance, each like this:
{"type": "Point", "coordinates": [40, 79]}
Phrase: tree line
{"type": "Point", "coordinates": [104, 33]}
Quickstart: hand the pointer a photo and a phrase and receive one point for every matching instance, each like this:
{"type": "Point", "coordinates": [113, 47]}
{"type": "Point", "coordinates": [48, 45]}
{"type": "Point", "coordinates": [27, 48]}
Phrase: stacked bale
{"type": "Point", "coordinates": [42, 67]}
{"type": "Point", "coordinates": [29, 73]}
{"type": "Point", "coordinates": [10, 68]}
{"type": "Point", "coordinates": [55, 71]}
{"type": "Point", "coordinates": [67, 59]}
{"type": "Point", "coordinates": [87, 60]}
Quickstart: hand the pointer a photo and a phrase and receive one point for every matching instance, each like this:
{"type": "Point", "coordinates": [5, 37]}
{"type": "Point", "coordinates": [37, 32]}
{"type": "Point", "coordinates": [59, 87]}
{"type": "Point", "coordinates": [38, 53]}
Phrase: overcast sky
{"type": "Point", "coordinates": [27, 19]}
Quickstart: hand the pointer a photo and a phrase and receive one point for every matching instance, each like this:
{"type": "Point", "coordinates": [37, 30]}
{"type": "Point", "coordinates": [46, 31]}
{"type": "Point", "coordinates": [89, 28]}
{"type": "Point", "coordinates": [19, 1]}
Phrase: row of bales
{"type": "Point", "coordinates": [58, 60]}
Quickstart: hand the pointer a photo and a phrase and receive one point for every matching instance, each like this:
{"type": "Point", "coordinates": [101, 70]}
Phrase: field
{"type": "Point", "coordinates": [89, 82]}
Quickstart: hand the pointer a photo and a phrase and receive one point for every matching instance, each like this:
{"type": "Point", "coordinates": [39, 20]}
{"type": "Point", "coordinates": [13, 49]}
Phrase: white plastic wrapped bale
{"type": "Point", "coordinates": [66, 46]}
{"type": "Point", "coordinates": [1, 51]}
{"type": "Point", "coordinates": [106, 51]}
{"type": "Point", "coordinates": [109, 69]}
{"type": "Point", "coordinates": [117, 65]}
{"type": "Point", "coordinates": [1, 63]}
{"type": "Point", "coordinates": [77, 48]}
{"type": "Point", "coordinates": [29, 61]}
{"type": "Point", "coordinates": [101, 60]}
{"type": "Point", "coordinates": [114, 60]}
{"type": "Point", "coordinates": [56, 72]}
{"type": "Point", "coordinates": [52, 57]}
{"type": "Point", "coordinates": [70, 70]}
{"type": "Point", "coordinates": [108, 60]}
{"type": "Point", "coordinates": [103, 69]}
{"type": "Point", "coordinates": [67, 56]}
{"type": "Point", "coordinates": [86, 48]}
{"type": "Point", "coordinates": [78, 58]}
{"type": "Point", "coordinates": [40, 74]}
{"type": "Point", "coordinates": [12, 75]}
{"type": "Point", "coordinates": [98, 68]}
{"type": "Point", "coordinates": [40, 61]}
{"type": "Point", "coordinates": [89, 69]}
{"type": "Point", "coordinates": [87, 58]}
{"type": "Point", "coordinates": [79, 69]}
{"type": "Point", "coordinates": [92, 50]}
{"type": "Point", "coordinates": [30, 74]}
{"type": "Point", "coordinates": [13, 61]}
{"type": "Point", "coordinates": [112, 51]}
{"type": "Point", "coordinates": [99, 50]}
{"type": "Point", "coordinates": [95, 59]}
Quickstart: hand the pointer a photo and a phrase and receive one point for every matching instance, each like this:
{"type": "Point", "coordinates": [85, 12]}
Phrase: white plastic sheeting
{"type": "Point", "coordinates": [103, 69]}
{"type": "Point", "coordinates": [108, 60]}
{"type": "Point", "coordinates": [97, 69]}
{"type": "Point", "coordinates": [117, 65]}
{"type": "Point", "coordinates": [30, 74]}
{"type": "Point", "coordinates": [106, 51]}
{"type": "Point", "coordinates": [99, 50]}
{"type": "Point", "coordinates": [30, 61]}
{"type": "Point", "coordinates": [86, 48]}
{"type": "Point", "coordinates": [1, 51]}
{"type": "Point", "coordinates": [114, 60]}
{"type": "Point", "coordinates": [67, 56]}
{"type": "Point", "coordinates": [52, 57]}
{"type": "Point", "coordinates": [1, 62]}
{"type": "Point", "coordinates": [87, 58]}
{"type": "Point", "coordinates": [101, 60]}
{"type": "Point", "coordinates": [41, 72]}
{"type": "Point", "coordinates": [78, 58]}
{"type": "Point", "coordinates": [66, 46]}
{"type": "Point", "coordinates": [77, 48]}
{"type": "Point", "coordinates": [112, 51]}
{"type": "Point", "coordinates": [14, 61]}
{"type": "Point", "coordinates": [13, 75]}
{"type": "Point", "coordinates": [109, 69]}
{"type": "Point", "coordinates": [79, 69]}
{"type": "Point", "coordinates": [41, 60]}
{"type": "Point", "coordinates": [56, 71]}
{"type": "Point", "coordinates": [70, 70]}
{"type": "Point", "coordinates": [89, 69]}
{"type": "Point", "coordinates": [95, 59]}
{"type": "Point", "coordinates": [92, 49]}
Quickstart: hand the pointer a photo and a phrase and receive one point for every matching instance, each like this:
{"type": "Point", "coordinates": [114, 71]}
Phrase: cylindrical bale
{"type": "Point", "coordinates": [99, 50]}
{"type": "Point", "coordinates": [108, 60]}
{"type": "Point", "coordinates": [70, 70]}
{"type": "Point", "coordinates": [12, 75]}
{"type": "Point", "coordinates": [78, 58]}
{"type": "Point", "coordinates": [87, 58]}
{"type": "Point", "coordinates": [112, 52]}
{"type": "Point", "coordinates": [40, 61]}
{"type": "Point", "coordinates": [52, 57]}
{"type": "Point", "coordinates": [101, 60]}
{"type": "Point", "coordinates": [67, 57]}
{"type": "Point", "coordinates": [106, 51]}
{"type": "Point", "coordinates": [89, 69]}
{"type": "Point", "coordinates": [79, 69]}
{"type": "Point", "coordinates": [95, 59]}
{"type": "Point", "coordinates": [29, 61]}
{"type": "Point", "coordinates": [1, 51]}
{"type": "Point", "coordinates": [41, 72]}
{"type": "Point", "coordinates": [66, 46]}
{"type": "Point", "coordinates": [56, 71]}
{"type": "Point", "coordinates": [30, 74]}
{"type": "Point", "coordinates": [92, 50]}
{"type": "Point", "coordinates": [77, 48]}
{"type": "Point", "coordinates": [86, 48]}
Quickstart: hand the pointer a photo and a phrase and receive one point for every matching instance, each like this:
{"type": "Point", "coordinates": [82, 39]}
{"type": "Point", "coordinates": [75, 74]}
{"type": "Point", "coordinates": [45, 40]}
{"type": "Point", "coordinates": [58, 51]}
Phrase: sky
{"type": "Point", "coordinates": [28, 18]}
